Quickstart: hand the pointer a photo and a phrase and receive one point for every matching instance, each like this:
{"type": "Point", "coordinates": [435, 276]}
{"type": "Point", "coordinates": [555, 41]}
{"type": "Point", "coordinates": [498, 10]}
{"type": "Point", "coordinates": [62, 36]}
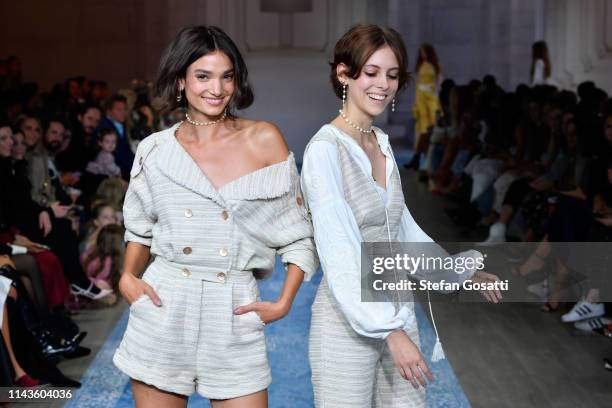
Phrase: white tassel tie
{"type": "Point", "coordinates": [438, 352]}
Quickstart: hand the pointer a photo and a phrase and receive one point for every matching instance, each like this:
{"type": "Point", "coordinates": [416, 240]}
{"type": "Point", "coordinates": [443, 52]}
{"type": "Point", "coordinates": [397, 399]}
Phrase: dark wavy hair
{"type": "Point", "coordinates": [190, 44]}
{"type": "Point", "coordinates": [358, 44]}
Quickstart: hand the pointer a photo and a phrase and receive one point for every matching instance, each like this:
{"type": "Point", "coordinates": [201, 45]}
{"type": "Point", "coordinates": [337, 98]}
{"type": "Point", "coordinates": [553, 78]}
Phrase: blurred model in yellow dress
{"type": "Point", "coordinates": [427, 104]}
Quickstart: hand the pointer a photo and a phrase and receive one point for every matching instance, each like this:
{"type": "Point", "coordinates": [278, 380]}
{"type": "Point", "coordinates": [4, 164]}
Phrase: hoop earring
{"type": "Point", "coordinates": [344, 86]}
{"type": "Point", "coordinates": [179, 96]}
{"type": "Point", "coordinates": [393, 105]}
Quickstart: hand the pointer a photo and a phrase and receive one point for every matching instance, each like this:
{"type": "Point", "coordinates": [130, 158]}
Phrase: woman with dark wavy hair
{"type": "Point", "coordinates": [214, 198]}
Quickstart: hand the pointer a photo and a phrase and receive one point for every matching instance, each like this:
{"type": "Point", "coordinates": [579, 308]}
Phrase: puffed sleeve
{"type": "Point", "coordinates": [295, 244]}
{"type": "Point", "coordinates": [138, 211]}
{"type": "Point", "coordinates": [411, 232]}
{"type": "Point", "coordinates": [338, 241]}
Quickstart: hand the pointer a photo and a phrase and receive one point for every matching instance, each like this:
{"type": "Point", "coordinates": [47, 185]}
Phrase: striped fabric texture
{"type": "Point", "coordinates": [209, 246]}
{"type": "Point", "coordinates": [349, 370]}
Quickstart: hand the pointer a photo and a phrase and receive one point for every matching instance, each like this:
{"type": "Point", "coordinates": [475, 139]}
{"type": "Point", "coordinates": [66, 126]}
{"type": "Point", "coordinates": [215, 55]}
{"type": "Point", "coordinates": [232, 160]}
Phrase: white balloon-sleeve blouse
{"type": "Point", "coordinates": [334, 225]}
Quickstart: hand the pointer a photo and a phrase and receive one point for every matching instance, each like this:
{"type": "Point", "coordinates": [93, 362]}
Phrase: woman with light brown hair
{"type": "Point", "coordinates": [364, 354]}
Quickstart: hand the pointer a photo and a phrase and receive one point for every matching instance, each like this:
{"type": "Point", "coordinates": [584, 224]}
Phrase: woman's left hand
{"type": "Point", "coordinates": [267, 311]}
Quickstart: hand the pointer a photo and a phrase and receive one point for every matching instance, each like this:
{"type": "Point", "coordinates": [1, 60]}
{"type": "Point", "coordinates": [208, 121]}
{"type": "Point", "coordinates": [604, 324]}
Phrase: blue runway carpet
{"type": "Point", "coordinates": [105, 386]}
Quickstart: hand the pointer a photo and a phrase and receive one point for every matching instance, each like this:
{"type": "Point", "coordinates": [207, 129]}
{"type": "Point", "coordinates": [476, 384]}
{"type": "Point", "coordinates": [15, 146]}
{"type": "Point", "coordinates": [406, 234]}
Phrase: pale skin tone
{"type": "Point", "coordinates": [108, 143]}
{"type": "Point", "coordinates": [379, 78]}
{"type": "Point", "coordinates": [225, 152]}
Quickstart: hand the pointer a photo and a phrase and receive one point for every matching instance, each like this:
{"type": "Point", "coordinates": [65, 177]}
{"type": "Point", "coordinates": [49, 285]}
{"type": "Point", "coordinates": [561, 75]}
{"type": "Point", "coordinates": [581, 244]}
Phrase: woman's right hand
{"type": "Point", "coordinates": [408, 359]}
{"type": "Point", "coordinates": [44, 223]}
{"type": "Point", "coordinates": [132, 288]}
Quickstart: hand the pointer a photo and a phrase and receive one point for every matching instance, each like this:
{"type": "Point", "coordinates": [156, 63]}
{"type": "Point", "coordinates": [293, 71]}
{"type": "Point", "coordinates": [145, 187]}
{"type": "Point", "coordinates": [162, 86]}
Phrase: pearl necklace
{"type": "Point", "coordinates": [351, 124]}
{"type": "Point", "coordinates": [212, 122]}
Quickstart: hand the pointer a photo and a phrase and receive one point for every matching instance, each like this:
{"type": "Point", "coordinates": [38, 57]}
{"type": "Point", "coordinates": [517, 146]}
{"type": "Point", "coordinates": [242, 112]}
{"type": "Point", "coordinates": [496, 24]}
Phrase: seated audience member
{"type": "Point", "coordinates": [82, 146]}
{"type": "Point", "coordinates": [104, 163]}
{"type": "Point", "coordinates": [116, 115]}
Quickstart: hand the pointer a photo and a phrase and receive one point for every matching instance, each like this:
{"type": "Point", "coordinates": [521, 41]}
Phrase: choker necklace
{"type": "Point", "coordinates": [351, 124]}
{"type": "Point", "coordinates": [212, 122]}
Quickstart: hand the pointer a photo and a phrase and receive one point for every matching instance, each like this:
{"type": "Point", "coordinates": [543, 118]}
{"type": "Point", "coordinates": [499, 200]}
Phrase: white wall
{"type": "Point", "coordinates": [579, 35]}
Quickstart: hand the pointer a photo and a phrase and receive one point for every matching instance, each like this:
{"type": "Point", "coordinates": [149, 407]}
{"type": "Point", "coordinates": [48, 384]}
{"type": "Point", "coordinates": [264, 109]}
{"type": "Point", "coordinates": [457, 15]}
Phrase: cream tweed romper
{"type": "Point", "coordinates": [210, 246]}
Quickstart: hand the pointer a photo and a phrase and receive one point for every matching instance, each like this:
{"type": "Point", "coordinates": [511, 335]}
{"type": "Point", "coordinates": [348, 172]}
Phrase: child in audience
{"type": "Point", "coordinates": [103, 215]}
{"type": "Point", "coordinates": [104, 164]}
{"type": "Point", "coordinates": [103, 260]}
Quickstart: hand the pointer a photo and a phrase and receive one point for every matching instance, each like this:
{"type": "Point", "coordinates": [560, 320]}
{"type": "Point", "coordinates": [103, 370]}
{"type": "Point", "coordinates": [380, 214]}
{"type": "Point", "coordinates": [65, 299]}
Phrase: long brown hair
{"type": "Point", "coordinates": [430, 56]}
{"type": "Point", "coordinates": [109, 244]}
{"type": "Point", "coordinates": [539, 50]}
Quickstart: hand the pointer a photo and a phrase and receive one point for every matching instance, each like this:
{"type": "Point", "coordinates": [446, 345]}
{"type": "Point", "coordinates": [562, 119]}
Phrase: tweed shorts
{"type": "Point", "coordinates": [194, 342]}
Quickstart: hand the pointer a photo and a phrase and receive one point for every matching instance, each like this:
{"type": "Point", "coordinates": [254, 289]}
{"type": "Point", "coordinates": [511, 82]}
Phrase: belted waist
{"type": "Point", "coordinates": [200, 272]}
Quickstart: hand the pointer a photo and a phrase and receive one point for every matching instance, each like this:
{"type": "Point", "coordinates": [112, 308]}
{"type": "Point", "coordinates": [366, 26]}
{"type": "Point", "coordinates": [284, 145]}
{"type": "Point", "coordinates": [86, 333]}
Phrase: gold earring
{"type": "Point", "coordinates": [180, 95]}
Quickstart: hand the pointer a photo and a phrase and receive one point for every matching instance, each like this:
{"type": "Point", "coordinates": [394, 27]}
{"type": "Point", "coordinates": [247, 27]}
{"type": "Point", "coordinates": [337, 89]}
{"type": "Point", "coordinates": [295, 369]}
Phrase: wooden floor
{"type": "Point", "coordinates": [512, 355]}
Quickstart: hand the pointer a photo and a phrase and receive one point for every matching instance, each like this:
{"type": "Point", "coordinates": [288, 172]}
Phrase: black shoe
{"type": "Point", "coordinates": [78, 338]}
{"type": "Point", "coordinates": [52, 346]}
{"type": "Point", "coordinates": [78, 352]}
{"type": "Point", "coordinates": [57, 379]}
{"type": "Point", "coordinates": [60, 323]}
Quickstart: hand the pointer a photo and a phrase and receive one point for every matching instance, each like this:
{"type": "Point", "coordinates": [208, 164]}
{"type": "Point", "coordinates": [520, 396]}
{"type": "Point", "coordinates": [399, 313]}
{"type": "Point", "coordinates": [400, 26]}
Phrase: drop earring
{"type": "Point", "coordinates": [393, 105]}
{"type": "Point", "coordinates": [179, 96]}
{"type": "Point", "coordinates": [344, 86]}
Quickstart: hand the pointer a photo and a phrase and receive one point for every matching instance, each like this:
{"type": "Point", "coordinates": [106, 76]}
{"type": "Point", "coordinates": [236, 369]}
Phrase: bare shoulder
{"type": "Point", "coordinates": [268, 142]}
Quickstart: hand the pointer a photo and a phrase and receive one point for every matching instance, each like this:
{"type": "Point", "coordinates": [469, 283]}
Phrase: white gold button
{"type": "Point", "coordinates": [188, 213]}
{"type": "Point", "coordinates": [225, 215]}
{"type": "Point", "coordinates": [185, 272]}
{"type": "Point", "coordinates": [223, 252]}
{"type": "Point", "coordinates": [221, 276]}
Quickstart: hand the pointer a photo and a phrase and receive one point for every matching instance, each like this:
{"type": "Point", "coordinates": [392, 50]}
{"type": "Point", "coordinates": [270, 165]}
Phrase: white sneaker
{"type": "Point", "coordinates": [539, 289]}
{"type": "Point", "coordinates": [592, 324]}
{"type": "Point", "coordinates": [583, 310]}
{"type": "Point", "coordinates": [497, 235]}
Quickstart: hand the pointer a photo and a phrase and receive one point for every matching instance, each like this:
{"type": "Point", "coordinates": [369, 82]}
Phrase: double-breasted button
{"type": "Point", "coordinates": [187, 250]}
{"type": "Point", "coordinates": [223, 252]}
{"type": "Point", "coordinates": [299, 200]}
{"type": "Point", "coordinates": [221, 276]}
{"type": "Point", "coordinates": [225, 215]}
{"type": "Point", "coordinates": [185, 272]}
{"type": "Point", "coordinates": [188, 213]}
